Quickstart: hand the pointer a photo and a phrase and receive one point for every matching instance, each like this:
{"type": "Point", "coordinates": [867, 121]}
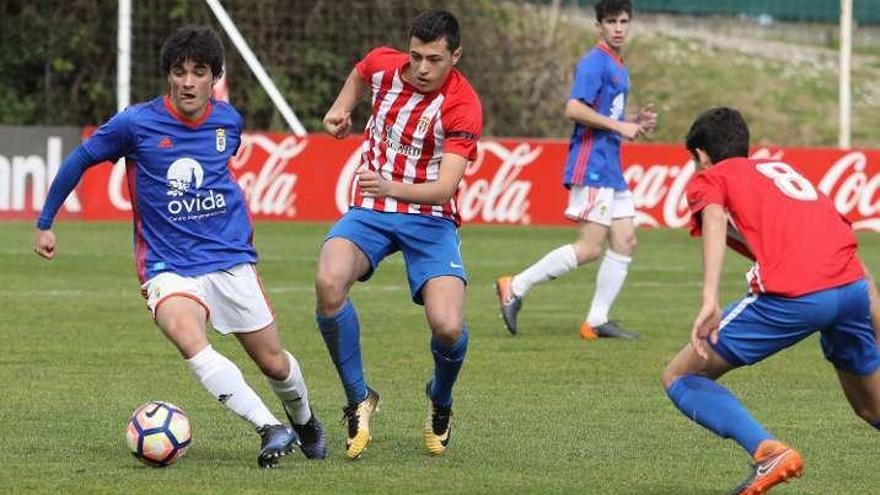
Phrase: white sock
{"type": "Point", "coordinates": [224, 381]}
{"type": "Point", "coordinates": [554, 264]}
{"type": "Point", "coordinates": [609, 281]}
{"type": "Point", "coordinates": [293, 393]}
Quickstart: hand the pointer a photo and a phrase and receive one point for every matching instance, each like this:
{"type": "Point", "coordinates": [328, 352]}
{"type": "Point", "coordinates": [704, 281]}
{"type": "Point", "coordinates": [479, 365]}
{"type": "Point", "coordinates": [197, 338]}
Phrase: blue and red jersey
{"type": "Point", "coordinates": [189, 213]}
{"type": "Point", "coordinates": [601, 80]}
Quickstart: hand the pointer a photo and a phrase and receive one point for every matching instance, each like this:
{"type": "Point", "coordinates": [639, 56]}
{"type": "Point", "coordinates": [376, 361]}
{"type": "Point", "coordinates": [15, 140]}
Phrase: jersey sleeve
{"type": "Point", "coordinates": [703, 190]}
{"type": "Point", "coordinates": [114, 139]}
{"type": "Point", "coordinates": [378, 59]}
{"type": "Point", "coordinates": [462, 128]}
{"type": "Point", "coordinates": [588, 78]}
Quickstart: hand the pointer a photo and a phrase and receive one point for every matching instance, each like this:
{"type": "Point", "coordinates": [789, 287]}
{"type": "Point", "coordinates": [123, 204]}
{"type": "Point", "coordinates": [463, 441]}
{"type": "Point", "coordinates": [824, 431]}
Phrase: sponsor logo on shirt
{"type": "Point", "coordinates": [423, 124]}
{"type": "Point", "coordinates": [185, 178]}
{"type": "Point", "coordinates": [400, 148]}
{"type": "Point", "coordinates": [617, 106]}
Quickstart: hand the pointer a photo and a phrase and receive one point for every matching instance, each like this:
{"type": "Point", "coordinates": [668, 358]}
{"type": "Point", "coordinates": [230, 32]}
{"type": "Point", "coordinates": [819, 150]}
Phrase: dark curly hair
{"type": "Point", "coordinates": [721, 132]}
{"type": "Point", "coordinates": [608, 8]}
{"type": "Point", "coordinates": [199, 44]}
{"type": "Point", "coordinates": [435, 24]}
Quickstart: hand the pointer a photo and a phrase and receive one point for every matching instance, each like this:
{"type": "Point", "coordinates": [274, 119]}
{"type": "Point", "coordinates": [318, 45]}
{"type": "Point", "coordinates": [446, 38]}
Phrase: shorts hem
{"type": "Point", "coordinates": [186, 295]}
{"type": "Point", "coordinates": [360, 248]}
{"type": "Point", "coordinates": [416, 295]}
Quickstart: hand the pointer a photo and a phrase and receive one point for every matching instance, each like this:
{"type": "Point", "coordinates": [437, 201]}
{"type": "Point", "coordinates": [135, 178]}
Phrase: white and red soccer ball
{"type": "Point", "coordinates": [158, 433]}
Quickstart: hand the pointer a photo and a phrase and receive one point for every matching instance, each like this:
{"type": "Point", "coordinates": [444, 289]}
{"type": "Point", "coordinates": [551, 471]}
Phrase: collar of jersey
{"type": "Point", "coordinates": [188, 122]}
{"type": "Point", "coordinates": [605, 48]}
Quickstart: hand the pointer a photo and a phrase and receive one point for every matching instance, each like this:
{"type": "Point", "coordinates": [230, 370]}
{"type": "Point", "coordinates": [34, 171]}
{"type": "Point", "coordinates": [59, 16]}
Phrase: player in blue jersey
{"type": "Point", "coordinates": [192, 238]}
{"type": "Point", "coordinates": [598, 198]}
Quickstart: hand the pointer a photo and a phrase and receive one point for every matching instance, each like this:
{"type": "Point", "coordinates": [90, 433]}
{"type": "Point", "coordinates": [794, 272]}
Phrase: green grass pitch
{"type": "Point", "coordinates": [540, 413]}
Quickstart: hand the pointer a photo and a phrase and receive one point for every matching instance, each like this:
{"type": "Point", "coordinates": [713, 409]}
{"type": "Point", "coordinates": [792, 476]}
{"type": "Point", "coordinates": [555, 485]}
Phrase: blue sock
{"type": "Point", "coordinates": [447, 362]}
{"type": "Point", "coordinates": [715, 408]}
{"type": "Point", "coordinates": [342, 334]}
{"type": "Point", "coordinates": [876, 425]}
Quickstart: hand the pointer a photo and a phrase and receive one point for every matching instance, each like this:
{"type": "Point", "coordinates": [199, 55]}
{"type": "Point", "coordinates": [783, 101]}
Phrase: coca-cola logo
{"type": "Point", "coordinates": [501, 198]}
{"type": "Point", "coordinates": [268, 187]}
{"type": "Point", "coordinates": [650, 187]}
{"type": "Point", "coordinates": [850, 188]}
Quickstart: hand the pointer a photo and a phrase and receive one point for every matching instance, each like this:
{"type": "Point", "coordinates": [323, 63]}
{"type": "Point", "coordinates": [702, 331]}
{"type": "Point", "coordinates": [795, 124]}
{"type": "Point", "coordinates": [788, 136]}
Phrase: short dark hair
{"type": "Point", "coordinates": [608, 8]}
{"type": "Point", "coordinates": [435, 24]}
{"type": "Point", "coordinates": [721, 132]}
{"type": "Point", "coordinates": [199, 44]}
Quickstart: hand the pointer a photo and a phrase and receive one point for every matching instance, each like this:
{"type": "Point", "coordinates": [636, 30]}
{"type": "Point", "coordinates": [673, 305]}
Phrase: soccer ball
{"type": "Point", "coordinates": [158, 433]}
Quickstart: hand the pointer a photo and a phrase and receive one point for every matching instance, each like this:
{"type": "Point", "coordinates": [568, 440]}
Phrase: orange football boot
{"type": "Point", "coordinates": [775, 463]}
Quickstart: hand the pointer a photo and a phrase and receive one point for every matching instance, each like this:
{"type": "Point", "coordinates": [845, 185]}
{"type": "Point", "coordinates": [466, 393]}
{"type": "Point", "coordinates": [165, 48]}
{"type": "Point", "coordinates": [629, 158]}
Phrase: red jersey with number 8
{"type": "Point", "coordinates": [409, 131]}
{"type": "Point", "coordinates": [798, 240]}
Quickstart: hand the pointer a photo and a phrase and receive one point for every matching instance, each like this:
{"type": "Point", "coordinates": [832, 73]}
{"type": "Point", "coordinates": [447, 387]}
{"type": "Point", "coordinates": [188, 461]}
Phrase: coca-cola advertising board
{"type": "Point", "coordinates": [513, 181]}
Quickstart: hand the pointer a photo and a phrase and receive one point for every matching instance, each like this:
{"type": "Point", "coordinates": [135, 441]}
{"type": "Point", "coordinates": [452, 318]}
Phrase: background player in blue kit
{"type": "Point", "coordinates": [192, 238]}
{"type": "Point", "coordinates": [599, 198]}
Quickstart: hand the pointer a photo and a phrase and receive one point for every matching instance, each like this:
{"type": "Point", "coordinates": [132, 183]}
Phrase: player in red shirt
{"type": "Point", "coordinates": [807, 278]}
{"type": "Point", "coordinates": [426, 119]}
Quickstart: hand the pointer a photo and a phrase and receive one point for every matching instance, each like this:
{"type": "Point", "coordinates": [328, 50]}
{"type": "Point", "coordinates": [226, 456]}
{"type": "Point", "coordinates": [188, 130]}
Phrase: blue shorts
{"type": "Point", "coordinates": [758, 326]}
{"type": "Point", "coordinates": [430, 245]}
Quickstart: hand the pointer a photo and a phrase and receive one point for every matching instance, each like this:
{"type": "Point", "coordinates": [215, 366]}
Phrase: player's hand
{"type": "Point", "coordinates": [647, 119]}
{"type": "Point", "coordinates": [44, 243]}
{"type": "Point", "coordinates": [337, 123]}
{"type": "Point", "coordinates": [706, 327]}
{"type": "Point", "coordinates": [629, 130]}
{"type": "Point", "coordinates": [372, 184]}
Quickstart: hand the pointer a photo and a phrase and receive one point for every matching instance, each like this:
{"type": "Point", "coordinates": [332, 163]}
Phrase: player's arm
{"type": "Point", "coordinates": [69, 175]}
{"type": "Point", "coordinates": [337, 120]}
{"type": "Point", "coordinates": [438, 192]}
{"type": "Point", "coordinates": [714, 232]}
{"type": "Point", "coordinates": [584, 114]}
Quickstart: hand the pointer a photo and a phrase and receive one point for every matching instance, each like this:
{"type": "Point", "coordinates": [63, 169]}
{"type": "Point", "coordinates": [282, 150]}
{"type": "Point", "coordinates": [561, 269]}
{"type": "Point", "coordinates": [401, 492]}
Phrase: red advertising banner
{"type": "Point", "coordinates": [513, 181]}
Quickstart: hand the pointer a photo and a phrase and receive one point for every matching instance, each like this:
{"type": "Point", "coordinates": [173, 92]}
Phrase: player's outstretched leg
{"type": "Point", "coordinates": [357, 418]}
{"type": "Point", "coordinates": [690, 383]}
{"type": "Point", "coordinates": [225, 382]}
{"type": "Point", "coordinates": [509, 302]}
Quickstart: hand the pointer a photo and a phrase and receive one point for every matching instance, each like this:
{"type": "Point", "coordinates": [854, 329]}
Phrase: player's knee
{"type": "Point", "coordinates": [447, 332]}
{"type": "Point", "coordinates": [185, 333]}
{"type": "Point", "coordinates": [669, 376]}
{"type": "Point", "coordinates": [331, 292]}
{"type": "Point", "coordinates": [625, 246]}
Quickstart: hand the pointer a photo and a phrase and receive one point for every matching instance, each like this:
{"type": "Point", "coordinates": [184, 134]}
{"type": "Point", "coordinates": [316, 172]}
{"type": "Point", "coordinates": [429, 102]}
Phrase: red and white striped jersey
{"type": "Point", "coordinates": [409, 131]}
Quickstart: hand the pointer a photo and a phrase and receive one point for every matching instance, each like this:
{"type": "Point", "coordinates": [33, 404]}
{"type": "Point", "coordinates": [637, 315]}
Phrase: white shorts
{"type": "Point", "coordinates": [234, 298]}
{"type": "Point", "coordinates": [598, 205]}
